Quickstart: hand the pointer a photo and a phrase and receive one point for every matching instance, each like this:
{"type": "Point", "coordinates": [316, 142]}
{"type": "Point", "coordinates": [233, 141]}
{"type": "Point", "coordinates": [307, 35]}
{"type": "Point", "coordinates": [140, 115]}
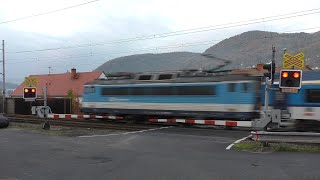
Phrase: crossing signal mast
{"type": "Point", "coordinates": [271, 67]}
{"type": "Point", "coordinates": [289, 82]}
{"type": "Point", "coordinates": [271, 116]}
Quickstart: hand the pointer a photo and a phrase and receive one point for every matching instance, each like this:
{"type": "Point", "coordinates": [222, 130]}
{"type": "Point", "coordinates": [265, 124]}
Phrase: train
{"type": "Point", "coordinates": [198, 95]}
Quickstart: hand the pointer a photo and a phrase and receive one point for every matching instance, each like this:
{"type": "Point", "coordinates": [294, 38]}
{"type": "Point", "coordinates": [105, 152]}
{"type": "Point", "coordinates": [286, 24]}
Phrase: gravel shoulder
{"type": "Point", "coordinates": [60, 130]}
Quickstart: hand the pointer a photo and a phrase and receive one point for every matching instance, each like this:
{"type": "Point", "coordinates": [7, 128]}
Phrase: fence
{"type": "Point", "coordinates": [20, 106]}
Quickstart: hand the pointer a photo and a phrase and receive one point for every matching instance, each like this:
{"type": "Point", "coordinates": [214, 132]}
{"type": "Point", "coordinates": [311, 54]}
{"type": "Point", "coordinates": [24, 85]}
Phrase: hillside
{"type": "Point", "coordinates": [254, 47]}
{"type": "Point", "coordinates": [244, 50]}
{"type": "Point", "coordinates": [158, 62]}
{"type": "Point", "coordinates": [9, 85]}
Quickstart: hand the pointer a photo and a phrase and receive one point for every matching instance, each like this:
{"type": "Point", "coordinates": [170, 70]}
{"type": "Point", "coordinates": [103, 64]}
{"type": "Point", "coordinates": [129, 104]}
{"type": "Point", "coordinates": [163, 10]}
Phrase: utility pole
{"type": "Point", "coordinates": [50, 68]}
{"type": "Point", "coordinates": [46, 124]}
{"type": "Point", "coordinates": [273, 63]}
{"type": "Point", "coordinates": [3, 79]}
{"type": "Point", "coordinates": [268, 81]}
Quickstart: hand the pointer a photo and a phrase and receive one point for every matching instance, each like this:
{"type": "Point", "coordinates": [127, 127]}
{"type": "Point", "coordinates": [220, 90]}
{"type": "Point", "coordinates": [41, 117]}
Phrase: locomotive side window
{"type": "Point", "coordinates": [115, 91]}
{"type": "Point", "coordinates": [137, 91]}
{"type": "Point", "coordinates": [195, 90]}
{"type": "Point", "coordinates": [145, 77]}
{"type": "Point", "coordinates": [165, 76]}
{"type": "Point", "coordinates": [312, 95]}
{"type": "Point", "coordinates": [232, 87]}
{"type": "Point", "coordinates": [245, 87]}
{"type": "Point", "coordinates": [160, 91]}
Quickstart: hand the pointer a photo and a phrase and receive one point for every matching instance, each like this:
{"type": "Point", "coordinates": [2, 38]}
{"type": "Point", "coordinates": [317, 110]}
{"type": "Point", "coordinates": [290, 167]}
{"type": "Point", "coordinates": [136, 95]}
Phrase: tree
{"type": "Point", "coordinates": [75, 102]}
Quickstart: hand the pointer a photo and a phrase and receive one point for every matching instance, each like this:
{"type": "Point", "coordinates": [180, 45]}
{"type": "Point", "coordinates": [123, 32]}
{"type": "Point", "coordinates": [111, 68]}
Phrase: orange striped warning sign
{"type": "Point", "coordinates": [293, 61]}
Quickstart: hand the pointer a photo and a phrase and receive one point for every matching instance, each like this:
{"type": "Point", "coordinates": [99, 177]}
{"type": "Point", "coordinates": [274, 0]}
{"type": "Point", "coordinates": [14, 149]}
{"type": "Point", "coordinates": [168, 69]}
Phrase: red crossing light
{"type": "Point", "coordinates": [296, 75]}
{"type": "Point", "coordinates": [285, 74]}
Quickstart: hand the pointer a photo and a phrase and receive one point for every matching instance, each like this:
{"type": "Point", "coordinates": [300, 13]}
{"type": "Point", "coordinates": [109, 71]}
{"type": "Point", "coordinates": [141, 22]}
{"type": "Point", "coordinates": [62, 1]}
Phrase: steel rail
{"type": "Point", "coordinates": [286, 137]}
{"type": "Point", "coordinates": [83, 123]}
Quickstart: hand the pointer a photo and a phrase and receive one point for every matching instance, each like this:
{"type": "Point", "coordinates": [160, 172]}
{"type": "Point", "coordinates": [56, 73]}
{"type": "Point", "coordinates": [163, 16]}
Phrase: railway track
{"type": "Point", "coordinates": [88, 123]}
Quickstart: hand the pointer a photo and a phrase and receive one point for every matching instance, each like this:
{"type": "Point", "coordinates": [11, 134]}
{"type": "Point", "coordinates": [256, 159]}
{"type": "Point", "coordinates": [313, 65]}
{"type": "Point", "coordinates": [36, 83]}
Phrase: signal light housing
{"type": "Point", "coordinates": [290, 79]}
{"type": "Point", "coordinates": [29, 93]}
{"type": "Point", "coordinates": [271, 68]}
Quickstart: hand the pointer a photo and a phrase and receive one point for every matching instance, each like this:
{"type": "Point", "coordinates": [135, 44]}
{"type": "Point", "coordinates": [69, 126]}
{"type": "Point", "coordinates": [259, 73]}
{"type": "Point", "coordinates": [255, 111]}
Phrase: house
{"type": "Point", "coordinates": [61, 88]}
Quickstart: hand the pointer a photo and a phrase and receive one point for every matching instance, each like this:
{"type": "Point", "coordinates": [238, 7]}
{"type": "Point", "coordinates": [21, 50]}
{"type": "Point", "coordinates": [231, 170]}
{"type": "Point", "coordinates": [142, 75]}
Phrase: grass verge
{"type": "Point", "coordinates": [254, 146]}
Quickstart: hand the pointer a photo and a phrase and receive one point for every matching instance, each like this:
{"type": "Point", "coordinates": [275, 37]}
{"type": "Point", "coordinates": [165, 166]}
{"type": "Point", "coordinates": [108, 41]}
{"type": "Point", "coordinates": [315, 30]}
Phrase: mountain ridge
{"type": "Point", "coordinates": [243, 50]}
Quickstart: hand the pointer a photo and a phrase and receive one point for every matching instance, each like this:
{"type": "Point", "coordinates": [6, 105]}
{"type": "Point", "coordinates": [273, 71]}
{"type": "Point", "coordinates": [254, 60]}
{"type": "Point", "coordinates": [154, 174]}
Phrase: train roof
{"type": "Point", "coordinates": [180, 77]}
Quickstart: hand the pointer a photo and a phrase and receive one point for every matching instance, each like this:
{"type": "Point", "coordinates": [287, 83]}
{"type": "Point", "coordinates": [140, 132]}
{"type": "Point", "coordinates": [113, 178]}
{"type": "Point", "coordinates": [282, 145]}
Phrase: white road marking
{"type": "Point", "coordinates": [133, 132]}
{"type": "Point", "coordinates": [236, 142]}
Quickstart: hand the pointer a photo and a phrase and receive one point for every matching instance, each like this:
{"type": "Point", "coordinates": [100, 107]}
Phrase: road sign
{"type": "Point", "coordinates": [293, 61]}
{"type": "Point", "coordinates": [289, 90]}
{"type": "Point", "coordinates": [31, 81]}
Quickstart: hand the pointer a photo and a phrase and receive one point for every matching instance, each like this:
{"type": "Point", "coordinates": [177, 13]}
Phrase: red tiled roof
{"type": "Point", "coordinates": [58, 85]}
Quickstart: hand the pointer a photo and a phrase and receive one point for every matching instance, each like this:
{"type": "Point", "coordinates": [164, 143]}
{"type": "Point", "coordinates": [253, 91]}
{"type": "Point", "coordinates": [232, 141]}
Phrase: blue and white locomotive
{"type": "Point", "coordinates": [198, 95]}
{"type": "Point", "coordinates": [182, 94]}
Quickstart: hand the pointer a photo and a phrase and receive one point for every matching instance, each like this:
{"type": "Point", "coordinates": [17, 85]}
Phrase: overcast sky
{"type": "Point", "coordinates": [113, 20]}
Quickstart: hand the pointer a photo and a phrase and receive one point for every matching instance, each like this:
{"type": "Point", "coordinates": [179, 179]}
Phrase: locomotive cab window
{"type": "Point", "coordinates": [89, 89]}
{"type": "Point", "coordinates": [312, 95]}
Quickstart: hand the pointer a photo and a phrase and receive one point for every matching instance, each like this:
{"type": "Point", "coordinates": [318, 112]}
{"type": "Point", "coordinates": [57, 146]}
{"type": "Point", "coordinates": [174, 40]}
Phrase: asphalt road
{"type": "Point", "coordinates": [173, 153]}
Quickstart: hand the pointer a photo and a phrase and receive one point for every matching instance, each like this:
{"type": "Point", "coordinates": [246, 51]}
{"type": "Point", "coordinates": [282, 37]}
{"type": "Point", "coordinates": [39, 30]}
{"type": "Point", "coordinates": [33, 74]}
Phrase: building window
{"type": "Point", "coordinates": [312, 95]}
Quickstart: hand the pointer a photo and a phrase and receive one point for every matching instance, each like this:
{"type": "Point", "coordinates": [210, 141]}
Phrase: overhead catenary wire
{"type": "Point", "coordinates": [184, 32]}
{"type": "Point", "coordinates": [124, 52]}
{"type": "Point", "coordinates": [48, 12]}
{"type": "Point", "coordinates": [39, 59]}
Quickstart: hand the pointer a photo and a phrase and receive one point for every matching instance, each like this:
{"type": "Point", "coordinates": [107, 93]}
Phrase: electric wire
{"type": "Point", "coordinates": [48, 12]}
{"type": "Point", "coordinates": [184, 32]}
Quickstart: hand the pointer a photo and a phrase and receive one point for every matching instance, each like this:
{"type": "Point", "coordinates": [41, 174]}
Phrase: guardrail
{"type": "Point", "coordinates": [286, 137]}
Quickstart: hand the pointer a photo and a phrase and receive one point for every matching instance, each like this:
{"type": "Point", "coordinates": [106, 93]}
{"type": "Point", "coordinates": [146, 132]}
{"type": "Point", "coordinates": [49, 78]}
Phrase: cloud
{"type": "Point", "coordinates": [120, 19]}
